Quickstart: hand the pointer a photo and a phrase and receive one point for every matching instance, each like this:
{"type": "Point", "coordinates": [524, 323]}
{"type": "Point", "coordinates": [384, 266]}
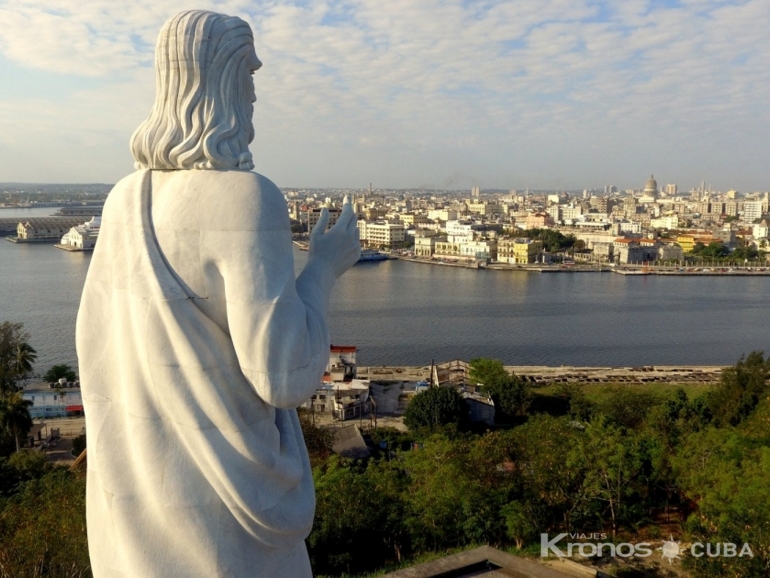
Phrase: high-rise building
{"type": "Point", "coordinates": [672, 189]}
{"type": "Point", "coordinates": [752, 210]}
{"type": "Point", "coordinates": [314, 214]}
{"type": "Point", "coordinates": [475, 192]}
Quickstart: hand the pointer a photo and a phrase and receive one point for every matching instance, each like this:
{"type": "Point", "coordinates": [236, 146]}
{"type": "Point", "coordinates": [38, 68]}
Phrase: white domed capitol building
{"type": "Point", "coordinates": [650, 194]}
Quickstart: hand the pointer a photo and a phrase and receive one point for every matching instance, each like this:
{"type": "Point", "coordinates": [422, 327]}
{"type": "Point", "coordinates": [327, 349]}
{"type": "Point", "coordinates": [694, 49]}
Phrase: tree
{"type": "Point", "coordinates": [514, 396]}
{"type": "Point", "coordinates": [349, 526]}
{"type": "Point", "coordinates": [16, 355]}
{"type": "Point", "coordinates": [487, 372]}
{"type": "Point", "coordinates": [438, 406]}
{"type": "Point", "coordinates": [613, 461]}
{"type": "Point", "coordinates": [14, 416]}
{"type": "Point", "coordinates": [43, 528]}
{"type": "Point", "coordinates": [318, 440]}
{"type": "Point", "coordinates": [25, 358]}
{"type": "Point", "coordinates": [518, 522]}
{"type": "Point", "coordinates": [628, 408]}
{"type": "Point", "coordinates": [58, 371]}
{"type": "Point", "coordinates": [741, 388]}
{"type": "Point", "coordinates": [510, 393]}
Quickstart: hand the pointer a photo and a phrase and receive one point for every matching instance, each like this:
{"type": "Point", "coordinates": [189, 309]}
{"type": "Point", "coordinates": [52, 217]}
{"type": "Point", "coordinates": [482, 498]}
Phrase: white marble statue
{"type": "Point", "coordinates": [195, 340]}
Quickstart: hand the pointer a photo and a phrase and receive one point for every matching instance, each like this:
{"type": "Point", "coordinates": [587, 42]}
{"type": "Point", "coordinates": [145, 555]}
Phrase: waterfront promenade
{"type": "Point", "coordinates": [630, 269]}
{"type": "Point", "coordinates": [543, 375]}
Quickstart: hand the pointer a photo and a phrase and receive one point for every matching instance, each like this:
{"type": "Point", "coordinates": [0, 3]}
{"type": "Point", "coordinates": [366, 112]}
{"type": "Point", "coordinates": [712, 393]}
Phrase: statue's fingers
{"type": "Point", "coordinates": [353, 224]}
{"type": "Point", "coordinates": [345, 218]}
{"type": "Point", "coordinates": [321, 224]}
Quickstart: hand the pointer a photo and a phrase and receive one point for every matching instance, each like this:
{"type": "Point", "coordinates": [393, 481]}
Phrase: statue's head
{"type": "Point", "coordinates": [204, 98]}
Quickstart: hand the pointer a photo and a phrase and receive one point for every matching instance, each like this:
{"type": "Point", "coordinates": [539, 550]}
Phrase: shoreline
{"type": "Point", "coordinates": [543, 375]}
{"type": "Point", "coordinates": [668, 270]}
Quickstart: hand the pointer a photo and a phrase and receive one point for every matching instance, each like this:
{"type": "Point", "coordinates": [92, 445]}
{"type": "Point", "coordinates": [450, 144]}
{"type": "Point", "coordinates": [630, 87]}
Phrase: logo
{"type": "Point", "coordinates": [670, 549]}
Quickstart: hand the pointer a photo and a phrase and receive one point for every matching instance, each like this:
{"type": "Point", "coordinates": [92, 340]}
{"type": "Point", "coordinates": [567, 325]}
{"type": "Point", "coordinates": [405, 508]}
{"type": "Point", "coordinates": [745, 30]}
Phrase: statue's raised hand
{"type": "Point", "coordinates": [338, 248]}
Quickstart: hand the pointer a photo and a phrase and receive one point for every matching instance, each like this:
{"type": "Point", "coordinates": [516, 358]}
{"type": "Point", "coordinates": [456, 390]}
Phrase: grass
{"type": "Point", "coordinates": [599, 392]}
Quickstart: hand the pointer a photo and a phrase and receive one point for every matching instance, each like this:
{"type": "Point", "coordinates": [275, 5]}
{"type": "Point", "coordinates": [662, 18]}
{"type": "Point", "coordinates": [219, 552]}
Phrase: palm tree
{"type": "Point", "coordinates": [25, 357]}
{"type": "Point", "coordinates": [14, 415]}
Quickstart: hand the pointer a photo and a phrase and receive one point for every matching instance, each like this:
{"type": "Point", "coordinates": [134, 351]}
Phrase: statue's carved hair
{"type": "Point", "coordinates": [201, 118]}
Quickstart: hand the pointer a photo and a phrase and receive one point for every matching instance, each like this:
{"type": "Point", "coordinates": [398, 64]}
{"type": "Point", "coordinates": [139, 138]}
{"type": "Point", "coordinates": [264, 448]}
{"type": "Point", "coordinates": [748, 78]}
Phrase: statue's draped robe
{"type": "Point", "coordinates": [196, 462]}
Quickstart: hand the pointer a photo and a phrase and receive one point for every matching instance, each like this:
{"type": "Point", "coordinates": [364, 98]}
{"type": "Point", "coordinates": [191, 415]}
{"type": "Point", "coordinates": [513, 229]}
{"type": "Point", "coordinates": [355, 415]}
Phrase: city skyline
{"type": "Point", "coordinates": [547, 95]}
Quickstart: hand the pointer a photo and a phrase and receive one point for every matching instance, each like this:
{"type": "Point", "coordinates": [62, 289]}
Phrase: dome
{"type": "Point", "coordinates": [651, 184]}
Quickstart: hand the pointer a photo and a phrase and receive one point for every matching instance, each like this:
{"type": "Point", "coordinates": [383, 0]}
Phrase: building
{"type": "Point", "coordinates": [45, 229]}
{"type": "Point", "coordinates": [424, 245]}
{"type": "Point", "coordinates": [314, 214]}
{"type": "Point", "coordinates": [633, 251]}
{"type": "Point", "coordinates": [670, 252]}
{"type": "Point", "coordinates": [48, 402]}
{"type": "Point", "coordinates": [665, 222]}
{"type": "Point", "coordinates": [446, 250]}
{"type": "Point", "coordinates": [83, 237]}
{"type": "Point", "coordinates": [342, 400]}
{"type": "Point", "coordinates": [752, 210]}
{"type": "Point", "coordinates": [442, 215]}
{"type": "Point", "coordinates": [650, 193]}
{"type": "Point", "coordinates": [539, 221]}
{"type": "Point", "coordinates": [600, 204]}
{"type": "Point", "coordinates": [381, 234]}
{"type": "Point", "coordinates": [483, 249]}
{"type": "Point", "coordinates": [375, 214]}
{"type": "Point", "coordinates": [571, 213]}
{"type": "Point", "coordinates": [485, 209]}
{"type": "Point", "coordinates": [342, 362]}
{"type": "Point", "coordinates": [687, 241]}
{"type": "Point", "coordinates": [341, 394]}
{"type": "Point", "coordinates": [518, 251]}
{"type": "Point", "coordinates": [413, 219]}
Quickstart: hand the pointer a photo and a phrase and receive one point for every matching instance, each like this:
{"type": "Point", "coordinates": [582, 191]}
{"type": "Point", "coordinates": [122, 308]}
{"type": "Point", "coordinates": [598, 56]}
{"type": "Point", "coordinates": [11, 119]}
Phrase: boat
{"type": "Point", "coordinates": [370, 255]}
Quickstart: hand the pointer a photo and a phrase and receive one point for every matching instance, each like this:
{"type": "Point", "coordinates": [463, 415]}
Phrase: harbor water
{"type": "Point", "coordinates": [401, 313]}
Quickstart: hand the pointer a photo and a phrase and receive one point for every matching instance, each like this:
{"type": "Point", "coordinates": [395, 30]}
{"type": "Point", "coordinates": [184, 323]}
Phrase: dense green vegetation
{"type": "Point", "coordinates": [719, 252]}
{"type": "Point", "coordinates": [635, 462]}
{"type": "Point", "coordinates": [58, 371]}
{"type": "Point", "coordinates": [553, 241]}
{"type": "Point", "coordinates": [17, 356]}
{"type": "Point", "coordinates": [438, 406]}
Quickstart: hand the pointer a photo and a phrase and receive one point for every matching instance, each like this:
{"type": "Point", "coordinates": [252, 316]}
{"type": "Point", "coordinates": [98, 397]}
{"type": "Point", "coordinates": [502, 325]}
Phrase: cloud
{"type": "Point", "coordinates": [409, 91]}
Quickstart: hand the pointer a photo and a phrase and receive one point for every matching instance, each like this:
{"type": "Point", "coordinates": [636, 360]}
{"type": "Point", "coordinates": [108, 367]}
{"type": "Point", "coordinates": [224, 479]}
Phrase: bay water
{"type": "Point", "coordinates": [403, 313]}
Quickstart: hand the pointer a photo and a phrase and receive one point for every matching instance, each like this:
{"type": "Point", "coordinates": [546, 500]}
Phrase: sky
{"type": "Point", "coordinates": [541, 94]}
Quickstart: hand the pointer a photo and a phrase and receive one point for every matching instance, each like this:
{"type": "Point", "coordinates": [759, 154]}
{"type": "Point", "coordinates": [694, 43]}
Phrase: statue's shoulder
{"type": "Point", "coordinates": [241, 198]}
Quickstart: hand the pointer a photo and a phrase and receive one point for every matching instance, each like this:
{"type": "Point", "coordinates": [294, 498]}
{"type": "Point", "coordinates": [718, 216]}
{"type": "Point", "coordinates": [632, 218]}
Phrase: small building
{"type": "Point", "coordinates": [481, 408]}
{"type": "Point", "coordinates": [48, 402]}
{"type": "Point", "coordinates": [82, 237]}
{"type": "Point", "coordinates": [342, 362]}
{"type": "Point", "coordinates": [341, 394]}
{"type": "Point", "coordinates": [349, 443]}
{"type": "Point", "coordinates": [343, 400]}
{"type": "Point", "coordinates": [44, 229]}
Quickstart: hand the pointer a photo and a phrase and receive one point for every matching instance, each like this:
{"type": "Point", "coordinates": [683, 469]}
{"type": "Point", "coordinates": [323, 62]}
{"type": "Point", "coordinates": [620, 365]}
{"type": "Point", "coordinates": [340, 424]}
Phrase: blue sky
{"type": "Point", "coordinates": [407, 93]}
